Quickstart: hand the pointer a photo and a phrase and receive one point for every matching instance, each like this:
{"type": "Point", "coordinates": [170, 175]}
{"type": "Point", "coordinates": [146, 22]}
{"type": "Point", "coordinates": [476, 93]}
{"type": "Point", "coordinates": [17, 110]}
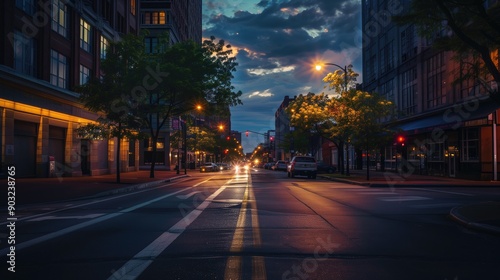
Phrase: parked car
{"type": "Point", "coordinates": [209, 167]}
{"type": "Point", "coordinates": [325, 167]}
{"type": "Point", "coordinates": [304, 166]}
{"type": "Point", "coordinates": [280, 165]}
{"type": "Point", "coordinates": [268, 165]}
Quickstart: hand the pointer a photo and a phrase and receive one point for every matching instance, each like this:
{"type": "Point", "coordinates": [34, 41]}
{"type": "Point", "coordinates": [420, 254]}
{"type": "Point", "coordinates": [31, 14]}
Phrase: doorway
{"type": "Point", "coordinates": [85, 156]}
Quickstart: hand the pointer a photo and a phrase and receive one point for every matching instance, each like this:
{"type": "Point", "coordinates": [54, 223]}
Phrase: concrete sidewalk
{"type": "Point", "coordinates": [483, 216]}
{"type": "Point", "coordinates": [43, 190]}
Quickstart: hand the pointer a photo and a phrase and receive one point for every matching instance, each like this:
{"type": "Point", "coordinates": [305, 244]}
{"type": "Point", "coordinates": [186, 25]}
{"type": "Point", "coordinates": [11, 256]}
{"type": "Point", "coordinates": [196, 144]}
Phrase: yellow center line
{"type": "Point", "coordinates": [234, 264]}
{"type": "Point", "coordinates": [258, 264]}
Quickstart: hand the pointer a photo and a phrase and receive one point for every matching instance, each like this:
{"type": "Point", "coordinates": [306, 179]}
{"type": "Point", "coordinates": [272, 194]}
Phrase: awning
{"type": "Point", "coordinates": [451, 118]}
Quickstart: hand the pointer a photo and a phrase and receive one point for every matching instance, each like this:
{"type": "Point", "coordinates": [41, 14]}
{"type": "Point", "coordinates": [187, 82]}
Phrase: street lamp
{"type": "Point", "coordinates": [198, 110]}
{"type": "Point", "coordinates": [346, 79]}
{"type": "Point", "coordinates": [346, 84]}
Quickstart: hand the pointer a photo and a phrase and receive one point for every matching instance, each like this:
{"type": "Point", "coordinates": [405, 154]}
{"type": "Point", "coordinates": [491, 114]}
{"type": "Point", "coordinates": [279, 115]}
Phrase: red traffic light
{"type": "Point", "coordinates": [228, 138]}
{"type": "Point", "coordinates": [271, 138]}
{"type": "Point", "coordinates": [401, 140]}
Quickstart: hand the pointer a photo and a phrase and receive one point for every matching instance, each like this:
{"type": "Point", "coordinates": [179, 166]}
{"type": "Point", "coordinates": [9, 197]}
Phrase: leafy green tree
{"type": "Point", "coordinates": [111, 96]}
{"type": "Point", "coordinates": [350, 116]}
{"type": "Point", "coordinates": [360, 117]}
{"type": "Point", "coordinates": [147, 89]}
{"type": "Point", "coordinates": [470, 28]}
{"type": "Point", "coordinates": [194, 74]}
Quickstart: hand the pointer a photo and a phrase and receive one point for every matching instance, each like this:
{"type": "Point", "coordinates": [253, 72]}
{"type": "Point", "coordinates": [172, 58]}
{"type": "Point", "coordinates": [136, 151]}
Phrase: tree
{"type": "Point", "coordinates": [470, 28]}
{"type": "Point", "coordinates": [351, 116]}
{"type": "Point", "coordinates": [361, 116]}
{"type": "Point", "coordinates": [146, 89]}
{"type": "Point", "coordinates": [111, 96]}
{"type": "Point", "coordinates": [310, 114]}
{"type": "Point", "coordinates": [190, 74]}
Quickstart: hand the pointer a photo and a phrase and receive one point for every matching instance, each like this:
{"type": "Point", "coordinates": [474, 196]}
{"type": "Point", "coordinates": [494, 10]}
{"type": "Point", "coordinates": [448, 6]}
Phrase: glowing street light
{"type": "Point", "coordinates": [346, 83]}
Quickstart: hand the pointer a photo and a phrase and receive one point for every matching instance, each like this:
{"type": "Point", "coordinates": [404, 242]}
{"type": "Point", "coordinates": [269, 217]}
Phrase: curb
{"type": "Point", "coordinates": [403, 185]}
{"type": "Point", "coordinates": [352, 182]}
{"type": "Point", "coordinates": [467, 222]}
{"type": "Point", "coordinates": [135, 187]}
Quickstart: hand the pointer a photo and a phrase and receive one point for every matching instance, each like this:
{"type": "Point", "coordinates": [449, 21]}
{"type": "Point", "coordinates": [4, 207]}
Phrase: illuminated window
{"type": "Point", "coordinates": [85, 35]}
{"type": "Point", "coordinates": [132, 7]}
{"type": "Point", "coordinates": [155, 17]}
{"type": "Point", "coordinates": [60, 17]}
{"type": "Point", "coordinates": [104, 47]}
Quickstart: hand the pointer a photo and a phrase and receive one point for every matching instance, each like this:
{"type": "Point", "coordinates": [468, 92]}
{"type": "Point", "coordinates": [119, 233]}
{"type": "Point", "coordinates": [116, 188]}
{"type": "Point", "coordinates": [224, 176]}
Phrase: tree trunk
{"type": "Point", "coordinates": [340, 159]}
{"type": "Point", "coordinates": [154, 139]}
{"type": "Point", "coordinates": [118, 147]}
{"type": "Point", "coordinates": [367, 166]}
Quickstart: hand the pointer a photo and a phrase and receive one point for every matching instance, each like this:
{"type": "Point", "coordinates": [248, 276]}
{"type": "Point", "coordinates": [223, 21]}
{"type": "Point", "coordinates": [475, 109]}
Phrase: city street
{"type": "Point", "coordinates": [229, 225]}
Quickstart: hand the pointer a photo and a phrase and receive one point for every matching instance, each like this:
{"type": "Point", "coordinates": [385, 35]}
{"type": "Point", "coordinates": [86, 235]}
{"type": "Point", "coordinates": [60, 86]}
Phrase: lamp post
{"type": "Point", "coordinates": [198, 110]}
{"type": "Point", "coordinates": [346, 83]}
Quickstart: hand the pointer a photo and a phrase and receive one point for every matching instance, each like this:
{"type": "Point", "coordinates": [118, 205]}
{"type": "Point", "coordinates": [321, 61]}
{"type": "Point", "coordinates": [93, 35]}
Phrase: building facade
{"type": "Point", "coordinates": [53, 46]}
{"type": "Point", "coordinates": [180, 21]}
{"type": "Point", "coordinates": [448, 127]}
{"type": "Point", "coordinates": [282, 129]}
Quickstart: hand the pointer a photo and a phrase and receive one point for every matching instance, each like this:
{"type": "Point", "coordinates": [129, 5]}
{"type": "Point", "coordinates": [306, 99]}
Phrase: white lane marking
{"type": "Point", "coordinates": [436, 205]}
{"type": "Point", "coordinates": [403, 198]}
{"type": "Point", "coordinates": [377, 193]}
{"type": "Point", "coordinates": [101, 200]}
{"type": "Point", "coordinates": [439, 191]}
{"type": "Point", "coordinates": [43, 218]}
{"type": "Point", "coordinates": [76, 227]}
{"type": "Point", "coordinates": [186, 196]}
{"type": "Point", "coordinates": [134, 267]}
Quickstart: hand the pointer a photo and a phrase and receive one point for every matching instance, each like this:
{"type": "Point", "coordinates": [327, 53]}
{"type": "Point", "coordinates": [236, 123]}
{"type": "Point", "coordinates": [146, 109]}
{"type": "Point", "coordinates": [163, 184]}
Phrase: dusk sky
{"type": "Point", "coordinates": [277, 43]}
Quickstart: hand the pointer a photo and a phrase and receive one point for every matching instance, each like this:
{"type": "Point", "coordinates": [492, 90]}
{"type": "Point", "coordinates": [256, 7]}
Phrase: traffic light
{"type": "Point", "coordinates": [228, 138]}
{"type": "Point", "coordinates": [401, 140]}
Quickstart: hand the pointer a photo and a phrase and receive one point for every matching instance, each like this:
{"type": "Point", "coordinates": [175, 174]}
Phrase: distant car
{"type": "Point", "coordinates": [223, 166]}
{"type": "Point", "coordinates": [302, 165]}
{"type": "Point", "coordinates": [209, 167]}
{"type": "Point", "coordinates": [280, 165]}
{"type": "Point", "coordinates": [325, 167]}
{"type": "Point", "coordinates": [268, 165]}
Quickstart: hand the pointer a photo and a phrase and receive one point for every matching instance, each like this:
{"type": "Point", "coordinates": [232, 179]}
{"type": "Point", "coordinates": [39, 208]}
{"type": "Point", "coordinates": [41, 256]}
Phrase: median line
{"type": "Point", "coordinates": [234, 264]}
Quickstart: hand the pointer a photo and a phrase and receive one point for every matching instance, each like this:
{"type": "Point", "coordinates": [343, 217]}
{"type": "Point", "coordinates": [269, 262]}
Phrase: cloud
{"type": "Point", "coordinates": [266, 93]}
{"type": "Point", "coordinates": [276, 44]}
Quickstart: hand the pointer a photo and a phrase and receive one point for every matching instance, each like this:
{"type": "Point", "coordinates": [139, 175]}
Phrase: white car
{"type": "Point", "coordinates": [304, 166]}
{"type": "Point", "coordinates": [209, 167]}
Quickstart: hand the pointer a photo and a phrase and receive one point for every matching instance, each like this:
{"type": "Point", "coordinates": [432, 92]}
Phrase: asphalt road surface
{"type": "Point", "coordinates": [229, 225]}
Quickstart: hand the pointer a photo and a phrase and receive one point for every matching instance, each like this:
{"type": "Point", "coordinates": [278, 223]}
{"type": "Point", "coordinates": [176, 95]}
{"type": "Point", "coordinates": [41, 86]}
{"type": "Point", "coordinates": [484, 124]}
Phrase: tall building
{"type": "Point", "coordinates": [282, 128]}
{"type": "Point", "coordinates": [50, 47]}
{"type": "Point", "coordinates": [181, 21]}
{"type": "Point", "coordinates": [446, 126]}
